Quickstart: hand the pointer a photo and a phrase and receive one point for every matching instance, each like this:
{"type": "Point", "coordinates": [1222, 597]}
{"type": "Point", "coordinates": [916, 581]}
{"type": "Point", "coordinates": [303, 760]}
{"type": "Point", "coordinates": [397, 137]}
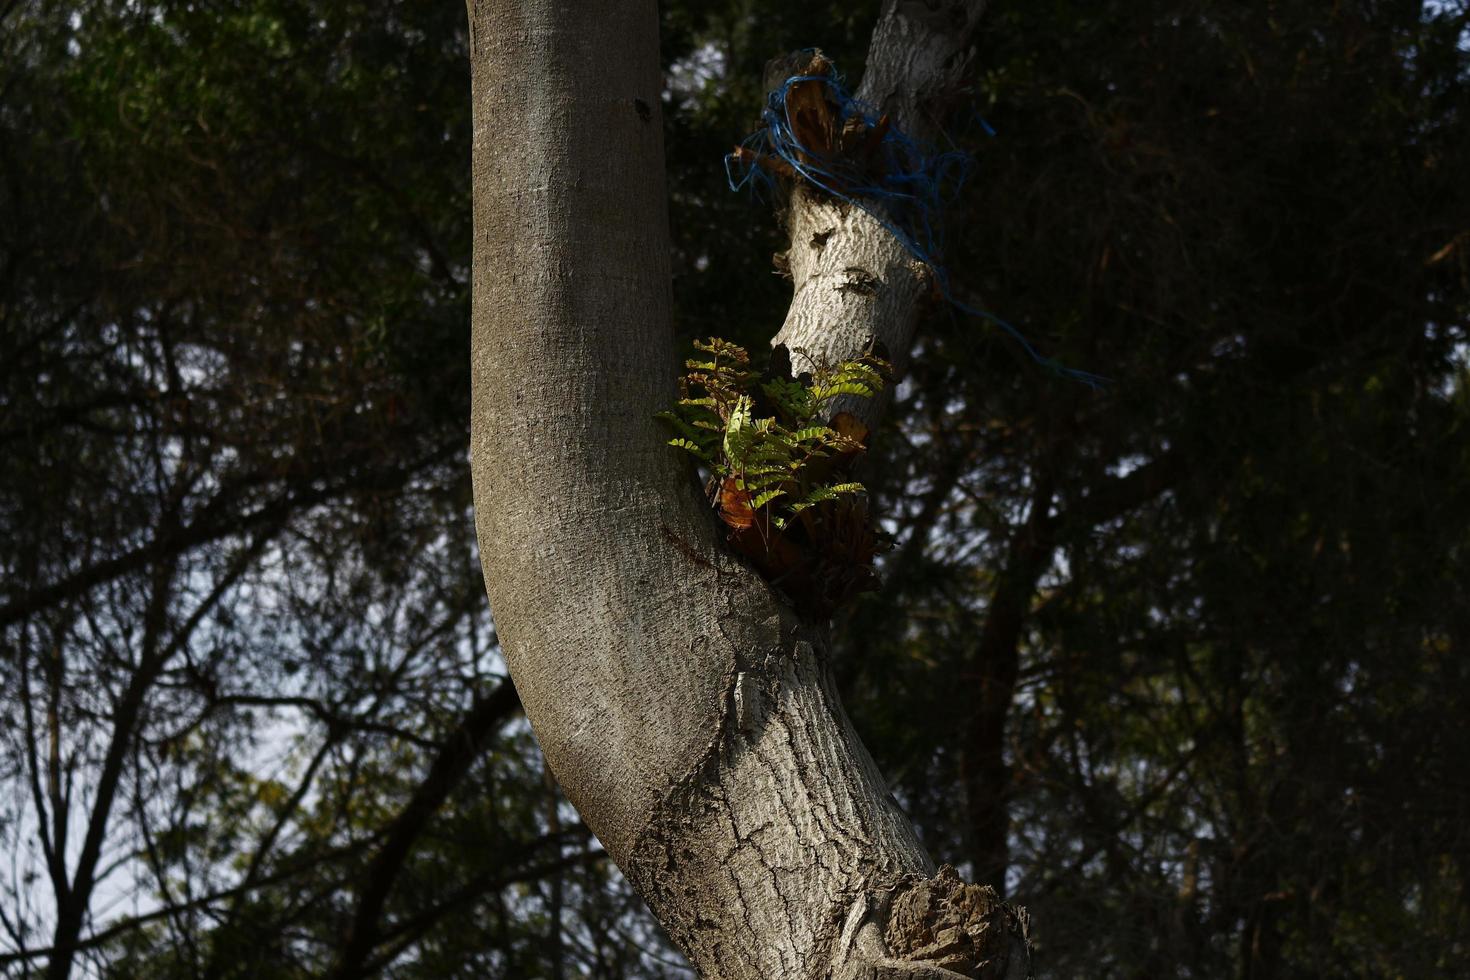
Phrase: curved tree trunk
{"type": "Point", "coordinates": [686, 710]}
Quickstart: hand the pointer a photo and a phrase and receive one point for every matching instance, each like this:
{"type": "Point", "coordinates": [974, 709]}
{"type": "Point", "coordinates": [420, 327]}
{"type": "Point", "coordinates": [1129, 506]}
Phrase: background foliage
{"type": "Point", "coordinates": [1181, 664]}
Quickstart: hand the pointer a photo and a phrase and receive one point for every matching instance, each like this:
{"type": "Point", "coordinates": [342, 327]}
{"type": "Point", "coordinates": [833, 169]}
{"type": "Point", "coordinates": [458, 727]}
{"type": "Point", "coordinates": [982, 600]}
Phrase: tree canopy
{"type": "Point", "coordinates": [1179, 663]}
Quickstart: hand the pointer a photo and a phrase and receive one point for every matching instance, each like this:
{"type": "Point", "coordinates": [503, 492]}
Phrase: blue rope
{"type": "Point", "coordinates": [909, 181]}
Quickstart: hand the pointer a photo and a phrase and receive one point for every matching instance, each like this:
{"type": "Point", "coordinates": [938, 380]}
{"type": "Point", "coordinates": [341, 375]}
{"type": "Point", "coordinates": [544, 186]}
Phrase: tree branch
{"type": "Point", "coordinates": [402, 935]}
{"type": "Point", "coordinates": [110, 933]}
{"type": "Point", "coordinates": [154, 656]}
{"type": "Point", "coordinates": [459, 751]}
{"type": "Point", "coordinates": [688, 713]}
{"type": "Point", "coordinates": [217, 520]}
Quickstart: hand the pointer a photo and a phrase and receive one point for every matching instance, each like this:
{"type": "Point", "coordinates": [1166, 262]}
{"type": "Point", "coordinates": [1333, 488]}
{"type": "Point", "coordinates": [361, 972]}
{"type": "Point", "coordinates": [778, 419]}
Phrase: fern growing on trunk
{"type": "Point", "coordinates": [777, 465]}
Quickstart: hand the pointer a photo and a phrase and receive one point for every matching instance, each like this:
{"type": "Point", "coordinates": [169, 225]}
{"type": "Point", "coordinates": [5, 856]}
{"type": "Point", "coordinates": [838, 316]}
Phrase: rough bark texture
{"type": "Point", "coordinates": [853, 280]}
{"type": "Point", "coordinates": [854, 284]}
{"type": "Point", "coordinates": [685, 709]}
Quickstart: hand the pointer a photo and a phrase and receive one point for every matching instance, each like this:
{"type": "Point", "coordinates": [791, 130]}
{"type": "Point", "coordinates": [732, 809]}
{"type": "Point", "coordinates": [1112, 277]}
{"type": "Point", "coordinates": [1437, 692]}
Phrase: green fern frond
{"type": "Point", "coordinates": [766, 469]}
{"type": "Point", "coordinates": [766, 497]}
{"type": "Point", "coordinates": [739, 414]}
{"type": "Point", "coordinates": [838, 489]}
{"type": "Point", "coordinates": [721, 347]}
{"type": "Point", "coordinates": [693, 448]}
{"type": "Point", "coordinates": [775, 461]}
{"type": "Point", "coordinates": [791, 398]}
{"type": "Point", "coordinates": [826, 492]}
{"type": "Point", "coordinates": [825, 393]}
{"type": "Point", "coordinates": [819, 434]}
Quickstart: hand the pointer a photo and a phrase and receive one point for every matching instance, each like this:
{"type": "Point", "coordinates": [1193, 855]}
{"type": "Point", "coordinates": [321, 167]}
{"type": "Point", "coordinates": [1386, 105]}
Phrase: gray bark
{"type": "Point", "coordinates": [853, 280]}
{"type": "Point", "coordinates": [684, 707]}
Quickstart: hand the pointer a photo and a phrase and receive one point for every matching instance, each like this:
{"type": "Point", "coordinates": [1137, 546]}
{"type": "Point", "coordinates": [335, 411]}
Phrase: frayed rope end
{"type": "Point", "coordinates": [814, 130]}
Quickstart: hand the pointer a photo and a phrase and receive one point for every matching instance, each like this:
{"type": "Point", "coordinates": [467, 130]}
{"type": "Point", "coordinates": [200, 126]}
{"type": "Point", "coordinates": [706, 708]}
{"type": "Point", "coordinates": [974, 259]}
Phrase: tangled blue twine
{"type": "Point", "coordinates": [911, 185]}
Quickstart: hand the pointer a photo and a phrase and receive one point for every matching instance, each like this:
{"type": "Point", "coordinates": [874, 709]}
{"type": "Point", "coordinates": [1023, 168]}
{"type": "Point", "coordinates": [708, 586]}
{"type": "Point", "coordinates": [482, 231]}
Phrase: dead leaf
{"type": "Point", "coordinates": [735, 509]}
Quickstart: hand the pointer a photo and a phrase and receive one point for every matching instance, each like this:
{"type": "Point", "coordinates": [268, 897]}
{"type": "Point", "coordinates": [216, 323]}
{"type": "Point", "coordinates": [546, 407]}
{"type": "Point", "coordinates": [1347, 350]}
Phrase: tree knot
{"type": "Point", "coordinates": [957, 926]}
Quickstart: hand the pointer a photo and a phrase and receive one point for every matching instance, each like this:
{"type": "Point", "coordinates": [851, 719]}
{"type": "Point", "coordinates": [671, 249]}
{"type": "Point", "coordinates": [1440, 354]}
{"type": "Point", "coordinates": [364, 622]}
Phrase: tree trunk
{"type": "Point", "coordinates": [686, 710]}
